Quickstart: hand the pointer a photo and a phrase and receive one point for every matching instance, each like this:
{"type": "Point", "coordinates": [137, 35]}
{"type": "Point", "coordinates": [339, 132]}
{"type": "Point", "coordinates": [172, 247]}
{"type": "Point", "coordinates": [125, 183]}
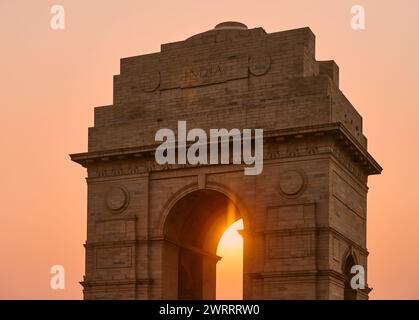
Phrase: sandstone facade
{"type": "Point", "coordinates": [153, 230]}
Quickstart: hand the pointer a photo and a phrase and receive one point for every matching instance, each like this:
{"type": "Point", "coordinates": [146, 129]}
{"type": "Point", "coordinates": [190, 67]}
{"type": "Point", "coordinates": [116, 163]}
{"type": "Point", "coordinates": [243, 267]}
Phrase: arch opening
{"type": "Point", "coordinates": [230, 267]}
{"type": "Point", "coordinates": [349, 293]}
{"type": "Point", "coordinates": [192, 232]}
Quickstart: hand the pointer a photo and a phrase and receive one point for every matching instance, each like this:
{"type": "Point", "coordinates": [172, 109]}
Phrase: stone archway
{"type": "Point", "coordinates": [150, 227]}
{"type": "Point", "coordinates": [192, 230]}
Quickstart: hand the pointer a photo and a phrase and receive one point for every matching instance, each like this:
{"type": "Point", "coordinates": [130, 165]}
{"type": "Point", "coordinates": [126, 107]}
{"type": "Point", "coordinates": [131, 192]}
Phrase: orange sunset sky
{"type": "Point", "coordinates": [50, 80]}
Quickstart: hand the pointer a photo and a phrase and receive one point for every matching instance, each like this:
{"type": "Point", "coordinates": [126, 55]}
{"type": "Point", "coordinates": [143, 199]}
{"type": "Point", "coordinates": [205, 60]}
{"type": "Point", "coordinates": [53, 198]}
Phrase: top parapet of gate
{"type": "Point", "coordinates": [230, 77]}
{"type": "Point", "coordinates": [225, 31]}
{"type": "Point", "coordinates": [228, 52]}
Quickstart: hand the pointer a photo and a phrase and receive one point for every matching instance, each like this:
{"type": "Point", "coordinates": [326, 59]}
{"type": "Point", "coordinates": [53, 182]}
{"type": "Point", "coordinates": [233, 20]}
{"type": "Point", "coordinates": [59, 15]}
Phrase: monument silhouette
{"type": "Point", "coordinates": [153, 230]}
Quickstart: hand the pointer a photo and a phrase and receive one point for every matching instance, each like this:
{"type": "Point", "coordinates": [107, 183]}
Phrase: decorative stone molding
{"type": "Point", "coordinates": [117, 199]}
{"type": "Point", "coordinates": [292, 183]}
{"type": "Point", "coordinates": [150, 81]}
{"type": "Point", "coordinates": [259, 64]}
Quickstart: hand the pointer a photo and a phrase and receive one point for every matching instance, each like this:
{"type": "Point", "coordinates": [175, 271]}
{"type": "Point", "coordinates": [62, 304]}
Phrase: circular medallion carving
{"type": "Point", "coordinates": [116, 199]}
{"type": "Point", "coordinates": [150, 80]}
{"type": "Point", "coordinates": [291, 182]}
{"type": "Point", "coordinates": [259, 64]}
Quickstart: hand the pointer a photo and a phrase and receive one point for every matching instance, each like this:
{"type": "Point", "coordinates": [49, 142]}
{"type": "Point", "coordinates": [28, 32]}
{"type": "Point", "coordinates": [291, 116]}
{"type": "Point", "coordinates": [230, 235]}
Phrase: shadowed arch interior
{"type": "Point", "coordinates": [192, 231]}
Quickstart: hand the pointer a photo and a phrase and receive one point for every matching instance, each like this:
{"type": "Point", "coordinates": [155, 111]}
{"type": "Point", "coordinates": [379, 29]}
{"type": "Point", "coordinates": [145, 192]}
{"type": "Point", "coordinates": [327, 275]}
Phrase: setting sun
{"type": "Point", "coordinates": [230, 267]}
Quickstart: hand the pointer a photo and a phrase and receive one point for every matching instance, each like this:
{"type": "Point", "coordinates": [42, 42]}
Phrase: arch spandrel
{"type": "Point", "coordinates": [188, 189]}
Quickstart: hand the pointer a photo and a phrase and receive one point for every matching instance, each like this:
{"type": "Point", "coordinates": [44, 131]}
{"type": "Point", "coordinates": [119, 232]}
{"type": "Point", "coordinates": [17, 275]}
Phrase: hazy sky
{"type": "Point", "coordinates": [51, 80]}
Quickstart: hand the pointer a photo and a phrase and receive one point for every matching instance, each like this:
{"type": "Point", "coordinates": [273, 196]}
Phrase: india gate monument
{"type": "Point", "coordinates": [153, 229]}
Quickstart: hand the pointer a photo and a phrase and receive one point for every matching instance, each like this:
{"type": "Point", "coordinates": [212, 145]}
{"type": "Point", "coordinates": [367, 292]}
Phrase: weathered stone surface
{"type": "Point", "coordinates": [153, 230]}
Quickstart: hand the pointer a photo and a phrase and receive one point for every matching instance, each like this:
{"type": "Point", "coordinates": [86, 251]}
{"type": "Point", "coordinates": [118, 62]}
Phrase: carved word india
{"type": "Point", "coordinates": [202, 72]}
{"type": "Point", "coordinates": [197, 152]}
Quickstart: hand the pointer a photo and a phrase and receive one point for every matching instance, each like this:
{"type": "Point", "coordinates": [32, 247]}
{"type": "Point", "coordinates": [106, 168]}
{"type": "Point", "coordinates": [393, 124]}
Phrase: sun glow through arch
{"type": "Point", "coordinates": [230, 267]}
